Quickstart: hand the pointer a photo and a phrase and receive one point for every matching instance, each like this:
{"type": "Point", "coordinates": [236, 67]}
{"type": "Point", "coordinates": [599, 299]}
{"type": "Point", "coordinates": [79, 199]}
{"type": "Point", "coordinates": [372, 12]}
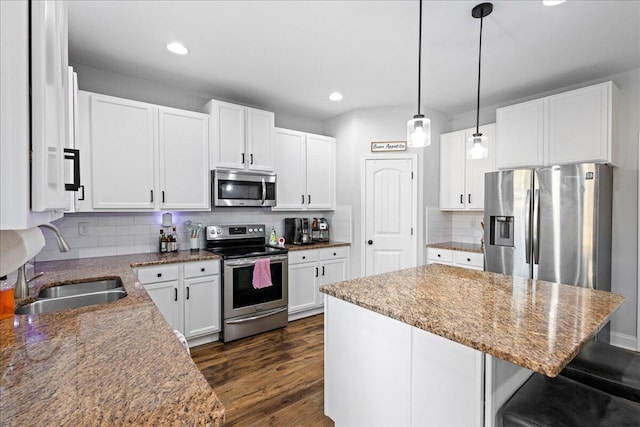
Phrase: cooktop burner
{"type": "Point", "coordinates": [246, 251]}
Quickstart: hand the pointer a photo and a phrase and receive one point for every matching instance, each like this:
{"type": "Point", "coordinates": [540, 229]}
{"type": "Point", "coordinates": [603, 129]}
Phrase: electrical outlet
{"type": "Point", "coordinates": [83, 228]}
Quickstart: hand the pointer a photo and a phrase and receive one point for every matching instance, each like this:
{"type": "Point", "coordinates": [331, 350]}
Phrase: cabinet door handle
{"type": "Point", "coordinates": [151, 196]}
{"type": "Point", "coordinates": [302, 200]}
{"type": "Point", "coordinates": [187, 292]}
{"type": "Point", "coordinates": [370, 242]}
{"type": "Point", "coordinates": [251, 158]}
{"type": "Point", "coordinates": [175, 297]}
{"type": "Point", "coordinates": [323, 270]}
{"type": "Point", "coordinates": [159, 274]}
{"type": "Point", "coordinates": [462, 199]}
{"type": "Point", "coordinates": [81, 197]}
{"type": "Point", "coordinates": [316, 271]}
{"type": "Point", "coordinates": [308, 199]}
{"type": "Point", "coordinates": [243, 158]}
{"type": "Point", "coordinates": [438, 255]}
{"type": "Point", "coordinates": [469, 197]}
{"type": "Point", "coordinates": [162, 196]}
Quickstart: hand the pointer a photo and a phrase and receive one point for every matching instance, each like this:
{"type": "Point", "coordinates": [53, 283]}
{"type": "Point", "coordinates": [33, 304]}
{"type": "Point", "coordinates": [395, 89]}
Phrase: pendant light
{"type": "Point", "coordinates": [478, 141]}
{"type": "Point", "coordinates": [419, 128]}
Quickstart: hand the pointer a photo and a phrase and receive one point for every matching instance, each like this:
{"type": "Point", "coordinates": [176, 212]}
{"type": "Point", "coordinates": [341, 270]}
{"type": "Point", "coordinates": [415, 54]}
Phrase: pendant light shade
{"type": "Point", "coordinates": [479, 149]}
{"type": "Point", "coordinates": [419, 127]}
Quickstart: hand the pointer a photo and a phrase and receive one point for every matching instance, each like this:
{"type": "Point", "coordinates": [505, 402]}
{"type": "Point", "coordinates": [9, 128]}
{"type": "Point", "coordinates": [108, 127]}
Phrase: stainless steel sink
{"type": "Point", "coordinates": [80, 288]}
{"type": "Point", "coordinates": [75, 295]}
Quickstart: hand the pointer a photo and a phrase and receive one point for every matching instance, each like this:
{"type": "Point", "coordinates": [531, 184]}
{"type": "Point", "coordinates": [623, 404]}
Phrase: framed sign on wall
{"type": "Point", "coordinates": [377, 147]}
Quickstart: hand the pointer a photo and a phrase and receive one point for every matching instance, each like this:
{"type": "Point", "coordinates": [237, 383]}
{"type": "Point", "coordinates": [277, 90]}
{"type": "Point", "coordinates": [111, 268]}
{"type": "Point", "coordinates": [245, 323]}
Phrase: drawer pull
{"type": "Point", "coordinates": [438, 255]}
{"type": "Point", "coordinates": [468, 259]}
{"type": "Point", "coordinates": [202, 269]}
{"type": "Point", "coordinates": [304, 257]}
{"type": "Point", "coordinates": [159, 274]}
{"type": "Point", "coordinates": [334, 254]}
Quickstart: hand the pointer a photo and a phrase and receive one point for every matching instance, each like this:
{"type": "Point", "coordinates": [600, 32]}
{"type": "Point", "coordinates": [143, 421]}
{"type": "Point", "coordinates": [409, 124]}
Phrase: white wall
{"type": "Point", "coordinates": [354, 132]}
{"type": "Point", "coordinates": [125, 86]}
{"type": "Point", "coordinates": [624, 271]}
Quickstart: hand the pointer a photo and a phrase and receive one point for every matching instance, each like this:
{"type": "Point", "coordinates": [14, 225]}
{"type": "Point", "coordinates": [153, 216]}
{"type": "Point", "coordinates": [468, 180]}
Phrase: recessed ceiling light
{"type": "Point", "coordinates": [177, 48]}
{"type": "Point", "coordinates": [552, 2]}
{"type": "Point", "coordinates": [335, 96]}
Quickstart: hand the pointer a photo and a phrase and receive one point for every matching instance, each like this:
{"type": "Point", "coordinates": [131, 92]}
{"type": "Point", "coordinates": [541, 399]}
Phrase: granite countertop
{"type": "Point", "coordinates": [457, 246]}
{"type": "Point", "coordinates": [108, 364]}
{"type": "Point", "coordinates": [316, 245]}
{"type": "Point", "coordinates": [538, 325]}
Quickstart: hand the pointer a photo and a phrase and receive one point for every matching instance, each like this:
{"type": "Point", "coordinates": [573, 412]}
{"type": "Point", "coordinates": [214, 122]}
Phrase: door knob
{"type": "Point", "coordinates": [370, 242]}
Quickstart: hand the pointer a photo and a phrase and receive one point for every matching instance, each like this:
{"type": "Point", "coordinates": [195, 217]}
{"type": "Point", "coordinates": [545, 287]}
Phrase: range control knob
{"type": "Point", "coordinates": [219, 231]}
{"type": "Point", "coordinates": [251, 230]}
{"type": "Point", "coordinates": [261, 229]}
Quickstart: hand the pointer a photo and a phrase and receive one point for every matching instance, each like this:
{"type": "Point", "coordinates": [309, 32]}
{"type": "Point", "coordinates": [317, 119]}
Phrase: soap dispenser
{"type": "Point", "coordinates": [273, 240]}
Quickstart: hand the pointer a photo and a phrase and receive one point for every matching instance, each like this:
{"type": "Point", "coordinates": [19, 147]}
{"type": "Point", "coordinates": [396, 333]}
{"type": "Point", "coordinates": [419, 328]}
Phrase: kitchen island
{"type": "Point", "coordinates": [438, 344]}
{"type": "Point", "coordinates": [108, 364]}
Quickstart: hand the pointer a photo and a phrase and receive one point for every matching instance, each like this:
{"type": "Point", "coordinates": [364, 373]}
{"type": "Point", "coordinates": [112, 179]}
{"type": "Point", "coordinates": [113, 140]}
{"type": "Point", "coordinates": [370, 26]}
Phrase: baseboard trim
{"type": "Point", "coordinates": [624, 341]}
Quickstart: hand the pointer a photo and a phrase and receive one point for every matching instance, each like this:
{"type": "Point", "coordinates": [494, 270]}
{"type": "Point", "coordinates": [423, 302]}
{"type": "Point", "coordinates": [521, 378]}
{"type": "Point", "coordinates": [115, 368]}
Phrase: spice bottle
{"type": "Point", "coordinates": [7, 301]}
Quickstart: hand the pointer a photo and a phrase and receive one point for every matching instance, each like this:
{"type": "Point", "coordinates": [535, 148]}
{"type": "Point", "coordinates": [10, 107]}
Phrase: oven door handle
{"type": "Point", "coordinates": [260, 316]}
{"type": "Point", "coordinates": [251, 261]}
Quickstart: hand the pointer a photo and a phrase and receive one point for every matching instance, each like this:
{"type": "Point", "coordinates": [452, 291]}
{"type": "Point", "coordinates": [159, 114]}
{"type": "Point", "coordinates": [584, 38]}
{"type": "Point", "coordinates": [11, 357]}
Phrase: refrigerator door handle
{"type": "Point", "coordinates": [536, 227]}
{"type": "Point", "coordinates": [527, 224]}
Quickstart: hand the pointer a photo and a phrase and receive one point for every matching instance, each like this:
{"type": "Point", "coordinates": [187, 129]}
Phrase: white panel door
{"type": "Point", "coordinates": [49, 107]}
{"type": "Point", "coordinates": [166, 297]}
{"type": "Point", "coordinates": [229, 134]}
{"type": "Point", "coordinates": [320, 172]}
{"type": "Point", "coordinates": [520, 135]}
{"type": "Point", "coordinates": [289, 165]}
{"type": "Point", "coordinates": [260, 126]}
{"type": "Point", "coordinates": [388, 215]}
{"type": "Point", "coordinates": [452, 170]}
{"type": "Point", "coordinates": [201, 306]}
{"type": "Point", "coordinates": [475, 169]}
{"type": "Point", "coordinates": [579, 125]}
{"type": "Point", "coordinates": [184, 159]}
{"type": "Point", "coordinates": [122, 153]}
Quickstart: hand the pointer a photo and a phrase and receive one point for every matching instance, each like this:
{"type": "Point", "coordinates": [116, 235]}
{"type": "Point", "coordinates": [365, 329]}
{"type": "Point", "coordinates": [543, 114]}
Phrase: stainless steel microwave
{"type": "Point", "coordinates": [242, 188]}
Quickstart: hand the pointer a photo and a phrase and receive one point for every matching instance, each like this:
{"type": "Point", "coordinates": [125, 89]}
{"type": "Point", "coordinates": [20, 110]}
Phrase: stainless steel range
{"type": "Point", "coordinates": [247, 310]}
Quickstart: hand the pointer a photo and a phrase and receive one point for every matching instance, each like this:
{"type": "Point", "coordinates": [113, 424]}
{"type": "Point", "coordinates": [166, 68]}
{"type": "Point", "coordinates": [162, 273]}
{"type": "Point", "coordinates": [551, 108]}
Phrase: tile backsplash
{"type": "Point", "coordinates": [444, 226]}
{"type": "Point", "coordinates": [103, 234]}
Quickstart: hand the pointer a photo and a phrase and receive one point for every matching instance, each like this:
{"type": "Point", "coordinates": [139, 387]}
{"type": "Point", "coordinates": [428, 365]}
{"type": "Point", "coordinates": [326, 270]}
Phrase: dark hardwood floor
{"type": "Point", "coordinates": [272, 379]}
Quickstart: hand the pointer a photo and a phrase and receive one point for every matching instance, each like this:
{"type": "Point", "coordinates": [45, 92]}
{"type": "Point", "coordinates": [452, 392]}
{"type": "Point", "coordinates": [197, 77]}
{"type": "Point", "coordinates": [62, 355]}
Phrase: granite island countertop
{"type": "Point", "coordinates": [534, 324]}
{"type": "Point", "coordinates": [108, 364]}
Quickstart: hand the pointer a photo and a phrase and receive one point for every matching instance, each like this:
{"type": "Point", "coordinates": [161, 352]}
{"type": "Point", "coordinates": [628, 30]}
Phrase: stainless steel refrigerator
{"type": "Point", "coordinates": [551, 223]}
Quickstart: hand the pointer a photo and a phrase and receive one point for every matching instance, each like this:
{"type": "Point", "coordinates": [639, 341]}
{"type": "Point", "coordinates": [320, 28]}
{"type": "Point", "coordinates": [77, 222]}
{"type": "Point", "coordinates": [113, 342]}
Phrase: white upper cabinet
{"type": "Point", "coordinates": [260, 127]}
{"type": "Point", "coordinates": [570, 127]}
{"type": "Point", "coordinates": [305, 165]}
{"type": "Point", "coordinates": [580, 125]}
{"type": "Point", "coordinates": [290, 166]}
{"type": "Point", "coordinates": [462, 179]}
{"type": "Point", "coordinates": [321, 175]}
{"type": "Point", "coordinates": [122, 154]}
{"type": "Point", "coordinates": [520, 135]}
{"type": "Point", "coordinates": [139, 156]}
{"type": "Point", "coordinates": [49, 107]}
{"type": "Point", "coordinates": [242, 137]}
{"type": "Point", "coordinates": [184, 159]}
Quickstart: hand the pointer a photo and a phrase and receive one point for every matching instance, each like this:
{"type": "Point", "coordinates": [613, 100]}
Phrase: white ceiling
{"type": "Point", "coordinates": [290, 55]}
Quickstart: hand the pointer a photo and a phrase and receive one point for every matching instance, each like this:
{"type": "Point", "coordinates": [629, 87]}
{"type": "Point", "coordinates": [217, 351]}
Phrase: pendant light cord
{"type": "Point", "coordinates": [479, 69]}
{"type": "Point", "coordinates": [419, 56]}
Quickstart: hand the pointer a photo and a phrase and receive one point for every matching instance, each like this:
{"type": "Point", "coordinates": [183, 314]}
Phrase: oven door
{"type": "Point", "coordinates": [231, 188]}
{"type": "Point", "coordinates": [240, 298]}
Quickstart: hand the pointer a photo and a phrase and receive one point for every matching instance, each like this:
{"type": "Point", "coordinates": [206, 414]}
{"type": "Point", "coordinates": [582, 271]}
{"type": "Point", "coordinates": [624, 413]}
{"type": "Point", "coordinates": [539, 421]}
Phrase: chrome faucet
{"type": "Point", "coordinates": [22, 284]}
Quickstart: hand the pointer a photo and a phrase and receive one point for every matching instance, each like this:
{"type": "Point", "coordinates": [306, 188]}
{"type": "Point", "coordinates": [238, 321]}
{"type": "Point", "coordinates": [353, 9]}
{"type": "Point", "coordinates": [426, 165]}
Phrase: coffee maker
{"type": "Point", "coordinates": [320, 230]}
{"type": "Point", "coordinates": [297, 231]}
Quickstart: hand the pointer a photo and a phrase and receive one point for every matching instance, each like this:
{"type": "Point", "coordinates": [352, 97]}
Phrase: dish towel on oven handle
{"type": "Point", "coordinates": [262, 274]}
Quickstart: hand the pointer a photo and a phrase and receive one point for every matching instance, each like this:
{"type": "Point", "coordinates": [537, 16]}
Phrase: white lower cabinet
{"type": "Point", "coordinates": [310, 269]}
{"type": "Point", "coordinates": [188, 296]}
{"type": "Point", "coordinates": [470, 260]}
